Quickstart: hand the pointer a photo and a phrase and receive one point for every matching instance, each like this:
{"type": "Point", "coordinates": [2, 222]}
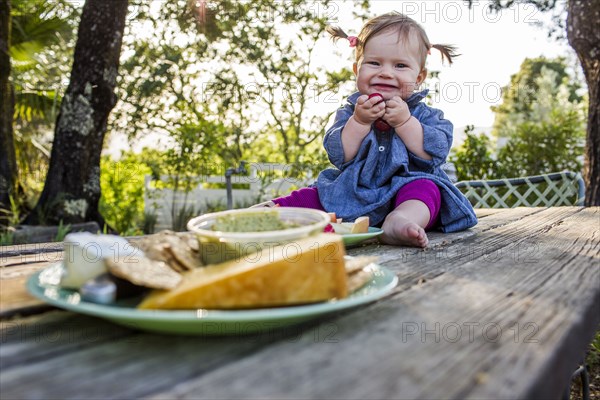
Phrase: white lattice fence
{"type": "Point", "coordinates": [556, 189]}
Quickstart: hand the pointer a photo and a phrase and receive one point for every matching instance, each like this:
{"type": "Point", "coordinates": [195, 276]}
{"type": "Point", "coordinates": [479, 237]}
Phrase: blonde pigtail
{"type": "Point", "coordinates": [336, 33]}
{"type": "Point", "coordinates": [448, 51]}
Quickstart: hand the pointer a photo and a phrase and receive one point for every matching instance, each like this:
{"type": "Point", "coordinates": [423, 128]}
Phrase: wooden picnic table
{"type": "Point", "coordinates": [503, 310]}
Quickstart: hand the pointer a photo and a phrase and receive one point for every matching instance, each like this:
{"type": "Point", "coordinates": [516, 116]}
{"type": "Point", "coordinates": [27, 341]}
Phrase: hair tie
{"type": "Point", "coordinates": [353, 40]}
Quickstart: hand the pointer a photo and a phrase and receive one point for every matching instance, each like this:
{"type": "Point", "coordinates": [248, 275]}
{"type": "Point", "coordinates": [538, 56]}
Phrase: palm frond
{"type": "Point", "coordinates": [35, 104]}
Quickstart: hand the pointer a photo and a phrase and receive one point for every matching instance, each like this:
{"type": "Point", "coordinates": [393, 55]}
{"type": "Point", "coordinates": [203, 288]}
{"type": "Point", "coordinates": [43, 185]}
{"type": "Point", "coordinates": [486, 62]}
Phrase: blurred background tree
{"type": "Point", "coordinates": [41, 41]}
{"type": "Point", "coordinates": [72, 187]}
{"type": "Point", "coordinates": [474, 158]}
{"type": "Point", "coordinates": [245, 67]}
{"type": "Point", "coordinates": [523, 96]}
{"type": "Point", "coordinates": [539, 127]}
{"type": "Point", "coordinates": [8, 165]}
{"type": "Point", "coordinates": [231, 80]}
{"type": "Point", "coordinates": [551, 134]}
{"type": "Point", "coordinates": [579, 19]}
{"type": "Point", "coordinates": [122, 202]}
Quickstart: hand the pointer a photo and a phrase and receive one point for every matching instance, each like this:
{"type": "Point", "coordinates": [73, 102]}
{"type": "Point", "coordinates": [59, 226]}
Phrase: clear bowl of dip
{"type": "Point", "coordinates": [233, 234]}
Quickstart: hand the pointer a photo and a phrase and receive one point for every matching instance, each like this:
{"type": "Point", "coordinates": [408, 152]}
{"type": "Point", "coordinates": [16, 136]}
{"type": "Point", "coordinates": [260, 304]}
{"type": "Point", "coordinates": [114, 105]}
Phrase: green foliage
{"type": "Point", "coordinates": [10, 219]}
{"type": "Point", "coordinates": [177, 79]}
{"type": "Point", "coordinates": [192, 149]}
{"type": "Point", "coordinates": [535, 148]}
{"type": "Point", "coordinates": [149, 222]}
{"type": "Point", "coordinates": [259, 110]}
{"type": "Point", "coordinates": [473, 160]}
{"type": "Point", "coordinates": [13, 215]}
{"type": "Point", "coordinates": [538, 80]}
{"type": "Point", "coordinates": [183, 161]}
{"type": "Point", "coordinates": [42, 42]}
{"type": "Point", "coordinates": [182, 216]}
{"type": "Point", "coordinates": [551, 146]}
{"type": "Point", "coordinates": [556, 8]}
{"type": "Point", "coordinates": [7, 238]}
{"type": "Point", "coordinates": [62, 231]}
{"type": "Point", "coordinates": [594, 352]}
{"type": "Point", "coordinates": [551, 134]}
{"type": "Point", "coordinates": [543, 132]}
{"type": "Point", "coordinates": [122, 185]}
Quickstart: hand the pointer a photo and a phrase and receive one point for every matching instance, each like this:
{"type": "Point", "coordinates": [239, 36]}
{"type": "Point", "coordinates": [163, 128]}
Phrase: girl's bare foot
{"type": "Point", "coordinates": [398, 230]}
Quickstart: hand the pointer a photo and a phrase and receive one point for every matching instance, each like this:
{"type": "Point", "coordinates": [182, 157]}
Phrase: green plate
{"type": "Point", "coordinates": [352, 239]}
{"type": "Point", "coordinates": [44, 286]}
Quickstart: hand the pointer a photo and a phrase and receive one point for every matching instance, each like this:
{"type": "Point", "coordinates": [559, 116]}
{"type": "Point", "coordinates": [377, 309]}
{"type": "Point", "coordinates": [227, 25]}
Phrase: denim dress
{"type": "Point", "coordinates": [368, 184]}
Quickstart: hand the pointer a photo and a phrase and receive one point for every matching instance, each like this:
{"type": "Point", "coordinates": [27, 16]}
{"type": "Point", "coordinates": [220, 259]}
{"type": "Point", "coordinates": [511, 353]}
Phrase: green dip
{"type": "Point", "coordinates": [250, 222]}
{"type": "Point", "coordinates": [215, 250]}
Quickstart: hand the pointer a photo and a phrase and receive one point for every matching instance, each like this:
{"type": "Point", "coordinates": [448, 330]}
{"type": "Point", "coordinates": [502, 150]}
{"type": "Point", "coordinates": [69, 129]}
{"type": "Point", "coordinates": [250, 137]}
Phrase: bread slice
{"type": "Point", "coordinates": [305, 271]}
{"type": "Point", "coordinates": [361, 225]}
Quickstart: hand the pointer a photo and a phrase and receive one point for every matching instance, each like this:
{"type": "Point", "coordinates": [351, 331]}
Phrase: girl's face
{"type": "Point", "coordinates": [389, 67]}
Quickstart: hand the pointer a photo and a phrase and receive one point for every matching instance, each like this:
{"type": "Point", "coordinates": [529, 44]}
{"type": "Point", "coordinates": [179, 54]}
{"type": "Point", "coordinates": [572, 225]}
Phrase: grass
{"type": "Point", "coordinates": [6, 238]}
{"type": "Point", "coordinates": [62, 231]}
{"type": "Point", "coordinates": [592, 361]}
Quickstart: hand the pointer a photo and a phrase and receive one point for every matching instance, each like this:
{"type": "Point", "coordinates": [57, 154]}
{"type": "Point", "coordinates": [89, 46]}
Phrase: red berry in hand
{"type": "Point", "coordinates": [380, 124]}
{"type": "Point", "coordinates": [376, 95]}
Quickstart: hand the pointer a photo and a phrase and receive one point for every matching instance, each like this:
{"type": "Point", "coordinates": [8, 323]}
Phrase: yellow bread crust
{"type": "Point", "coordinates": [305, 271]}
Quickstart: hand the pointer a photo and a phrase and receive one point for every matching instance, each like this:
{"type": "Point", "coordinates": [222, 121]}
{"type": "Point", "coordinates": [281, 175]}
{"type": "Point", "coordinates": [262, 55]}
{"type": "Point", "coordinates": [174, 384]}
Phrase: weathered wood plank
{"type": "Point", "coordinates": [32, 339]}
{"type": "Point", "coordinates": [121, 367]}
{"type": "Point", "coordinates": [484, 212]}
{"type": "Point", "coordinates": [31, 259]}
{"type": "Point", "coordinates": [492, 278]}
{"type": "Point", "coordinates": [39, 248]}
{"type": "Point", "coordinates": [14, 298]}
{"type": "Point", "coordinates": [21, 270]}
{"type": "Point", "coordinates": [440, 240]}
{"type": "Point", "coordinates": [408, 347]}
{"type": "Point", "coordinates": [24, 249]}
{"type": "Point", "coordinates": [550, 269]}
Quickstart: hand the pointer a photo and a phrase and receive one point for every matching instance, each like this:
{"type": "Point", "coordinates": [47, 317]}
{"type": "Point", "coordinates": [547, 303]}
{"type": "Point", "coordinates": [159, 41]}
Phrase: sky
{"type": "Point", "coordinates": [492, 48]}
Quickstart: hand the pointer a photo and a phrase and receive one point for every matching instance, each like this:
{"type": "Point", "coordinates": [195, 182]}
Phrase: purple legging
{"type": "Point", "coordinates": [425, 191]}
{"type": "Point", "coordinates": [419, 189]}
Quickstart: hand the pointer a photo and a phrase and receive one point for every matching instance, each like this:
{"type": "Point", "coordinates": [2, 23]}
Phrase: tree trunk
{"type": "Point", "coordinates": [8, 161]}
{"type": "Point", "coordinates": [583, 21]}
{"type": "Point", "coordinates": [72, 188]}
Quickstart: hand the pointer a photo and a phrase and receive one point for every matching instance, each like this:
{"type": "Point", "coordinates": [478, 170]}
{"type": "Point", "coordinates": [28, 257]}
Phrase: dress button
{"type": "Point", "coordinates": [381, 148]}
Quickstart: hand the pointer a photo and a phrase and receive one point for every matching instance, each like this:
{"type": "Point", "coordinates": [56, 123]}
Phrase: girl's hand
{"type": "Point", "coordinates": [368, 110]}
{"type": "Point", "coordinates": [396, 112]}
